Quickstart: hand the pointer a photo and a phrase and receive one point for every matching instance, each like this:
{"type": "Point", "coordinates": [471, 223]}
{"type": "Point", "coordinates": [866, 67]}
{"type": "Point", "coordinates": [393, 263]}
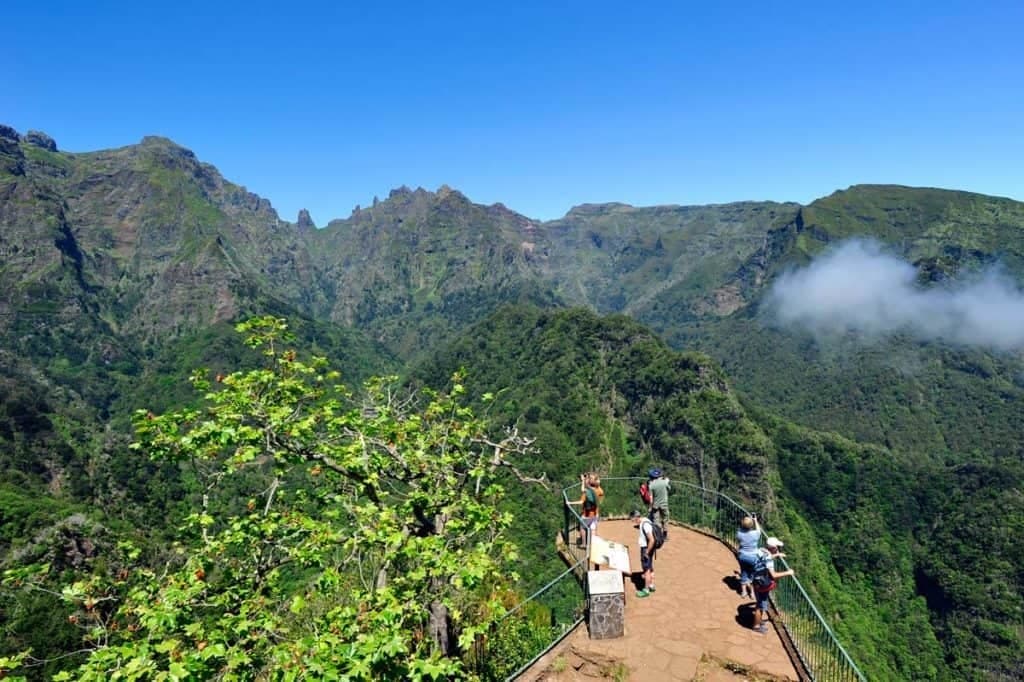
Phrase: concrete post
{"type": "Point", "coordinates": [607, 604]}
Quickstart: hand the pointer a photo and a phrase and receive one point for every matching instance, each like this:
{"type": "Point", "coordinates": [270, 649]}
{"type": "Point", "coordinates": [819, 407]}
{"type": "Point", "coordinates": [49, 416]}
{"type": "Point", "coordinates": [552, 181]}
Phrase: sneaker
{"type": "Point", "coordinates": [643, 593]}
{"type": "Point", "coordinates": [652, 589]}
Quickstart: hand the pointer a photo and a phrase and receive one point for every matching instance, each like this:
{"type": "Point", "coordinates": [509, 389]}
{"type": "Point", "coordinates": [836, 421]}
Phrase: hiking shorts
{"type": "Point", "coordinates": [591, 522]}
{"type": "Point", "coordinates": [762, 600]}
{"type": "Point", "coordinates": [647, 560]}
{"type": "Point", "coordinates": [747, 563]}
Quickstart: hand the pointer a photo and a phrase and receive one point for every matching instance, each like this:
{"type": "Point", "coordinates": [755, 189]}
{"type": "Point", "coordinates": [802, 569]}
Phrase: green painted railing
{"type": "Point", "coordinates": [537, 624]}
{"type": "Point", "coordinates": [810, 639]}
{"type": "Point", "coordinates": [531, 628]}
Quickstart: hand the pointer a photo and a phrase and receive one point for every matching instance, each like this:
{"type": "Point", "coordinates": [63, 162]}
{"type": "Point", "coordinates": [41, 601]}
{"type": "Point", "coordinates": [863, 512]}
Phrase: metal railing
{"type": "Point", "coordinates": [537, 624]}
{"type": "Point", "coordinates": [531, 628]}
{"type": "Point", "coordinates": [816, 647]}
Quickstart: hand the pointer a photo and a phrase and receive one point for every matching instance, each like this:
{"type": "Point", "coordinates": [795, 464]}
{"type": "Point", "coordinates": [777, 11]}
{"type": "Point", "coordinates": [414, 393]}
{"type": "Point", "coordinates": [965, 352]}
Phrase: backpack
{"type": "Point", "coordinates": [763, 581]}
{"type": "Point", "coordinates": [657, 533]}
{"type": "Point", "coordinates": [645, 493]}
{"type": "Point", "coordinates": [591, 498]}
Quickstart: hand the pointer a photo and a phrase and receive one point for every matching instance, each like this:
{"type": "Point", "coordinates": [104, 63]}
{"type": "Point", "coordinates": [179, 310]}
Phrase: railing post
{"type": "Point", "coordinates": [566, 516]}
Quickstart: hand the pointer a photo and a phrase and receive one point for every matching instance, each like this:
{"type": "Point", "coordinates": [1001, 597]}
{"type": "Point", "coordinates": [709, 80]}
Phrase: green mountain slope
{"type": "Point", "coordinates": [922, 397]}
{"type": "Point", "coordinates": [668, 264]}
{"type": "Point", "coordinates": [611, 396]}
{"type": "Point", "coordinates": [605, 394]}
{"type": "Point", "coordinates": [415, 269]}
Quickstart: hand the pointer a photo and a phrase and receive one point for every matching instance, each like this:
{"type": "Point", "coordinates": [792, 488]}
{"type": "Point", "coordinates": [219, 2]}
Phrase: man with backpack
{"type": "Point", "coordinates": [659, 487]}
{"type": "Point", "coordinates": [649, 539]}
{"type": "Point", "coordinates": [765, 580]}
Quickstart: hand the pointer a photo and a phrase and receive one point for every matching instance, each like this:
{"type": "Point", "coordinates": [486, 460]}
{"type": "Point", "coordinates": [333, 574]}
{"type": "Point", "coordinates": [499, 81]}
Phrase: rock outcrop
{"type": "Point", "coordinates": [41, 139]}
{"type": "Point", "coordinates": [305, 221]}
{"type": "Point", "coordinates": [9, 133]}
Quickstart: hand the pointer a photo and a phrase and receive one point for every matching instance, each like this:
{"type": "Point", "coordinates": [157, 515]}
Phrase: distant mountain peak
{"type": "Point", "coordinates": [591, 209]}
{"type": "Point", "coordinates": [41, 139]}
{"type": "Point", "coordinates": [400, 192]}
{"type": "Point", "coordinates": [158, 141]}
{"type": "Point", "coordinates": [36, 138]}
{"type": "Point", "coordinates": [9, 133]}
{"type": "Point", "coordinates": [305, 221]}
{"type": "Point", "coordinates": [445, 192]}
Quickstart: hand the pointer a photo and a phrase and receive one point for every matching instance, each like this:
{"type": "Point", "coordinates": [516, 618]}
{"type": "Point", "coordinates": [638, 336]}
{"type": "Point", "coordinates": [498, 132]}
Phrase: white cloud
{"type": "Point", "coordinates": [858, 287]}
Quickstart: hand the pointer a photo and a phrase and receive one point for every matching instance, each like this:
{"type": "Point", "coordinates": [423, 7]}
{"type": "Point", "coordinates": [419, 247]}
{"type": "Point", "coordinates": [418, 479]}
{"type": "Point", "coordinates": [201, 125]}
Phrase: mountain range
{"type": "Point", "coordinates": [121, 267]}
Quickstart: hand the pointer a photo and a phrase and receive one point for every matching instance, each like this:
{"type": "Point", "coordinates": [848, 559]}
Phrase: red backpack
{"type": "Point", "coordinates": [645, 493]}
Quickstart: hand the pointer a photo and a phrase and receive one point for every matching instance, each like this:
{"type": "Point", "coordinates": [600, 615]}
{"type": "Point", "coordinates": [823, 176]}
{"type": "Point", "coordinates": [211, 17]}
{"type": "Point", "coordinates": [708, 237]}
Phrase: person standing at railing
{"type": "Point", "coordinates": [647, 550]}
{"type": "Point", "coordinates": [749, 538]}
{"type": "Point", "coordinates": [766, 579]}
{"type": "Point", "coordinates": [590, 501]}
{"type": "Point", "coordinates": [659, 487]}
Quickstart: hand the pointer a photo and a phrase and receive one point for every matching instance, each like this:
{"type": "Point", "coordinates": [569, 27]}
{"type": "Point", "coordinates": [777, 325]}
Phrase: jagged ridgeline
{"type": "Point", "coordinates": [122, 270]}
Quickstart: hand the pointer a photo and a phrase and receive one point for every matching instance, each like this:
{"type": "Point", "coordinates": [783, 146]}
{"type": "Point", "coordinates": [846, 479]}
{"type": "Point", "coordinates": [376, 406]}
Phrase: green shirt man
{"type": "Point", "coordinates": [660, 487]}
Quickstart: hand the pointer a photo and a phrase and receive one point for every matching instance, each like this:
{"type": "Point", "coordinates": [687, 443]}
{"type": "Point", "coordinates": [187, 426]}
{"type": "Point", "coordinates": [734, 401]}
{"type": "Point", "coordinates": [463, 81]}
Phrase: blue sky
{"type": "Point", "coordinates": [538, 105]}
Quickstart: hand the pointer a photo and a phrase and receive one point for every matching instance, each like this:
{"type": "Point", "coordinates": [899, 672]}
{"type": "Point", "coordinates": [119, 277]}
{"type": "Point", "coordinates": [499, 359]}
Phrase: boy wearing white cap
{"type": "Point", "coordinates": [765, 580]}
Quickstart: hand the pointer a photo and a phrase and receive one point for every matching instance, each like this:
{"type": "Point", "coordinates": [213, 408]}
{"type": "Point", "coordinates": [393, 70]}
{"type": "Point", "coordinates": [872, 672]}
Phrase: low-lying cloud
{"type": "Point", "coordinates": [858, 287]}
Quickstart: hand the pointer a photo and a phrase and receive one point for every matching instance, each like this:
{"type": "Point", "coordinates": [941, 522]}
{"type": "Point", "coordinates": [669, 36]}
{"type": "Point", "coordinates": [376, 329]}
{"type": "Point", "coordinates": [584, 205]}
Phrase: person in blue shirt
{"type": "Point", "coordinates": [749, 538]}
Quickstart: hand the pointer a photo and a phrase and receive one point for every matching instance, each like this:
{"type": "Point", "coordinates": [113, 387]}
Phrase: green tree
{"type": "Point", "coordinates": [374, 549]}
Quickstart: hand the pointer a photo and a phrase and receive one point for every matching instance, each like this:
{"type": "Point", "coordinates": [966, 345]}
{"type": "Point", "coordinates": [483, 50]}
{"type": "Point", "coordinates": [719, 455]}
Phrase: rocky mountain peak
{"type": "Point", "coordinates": [166, 147]}
{"type": "Point", "coordinates": [12, 159]}
{"type": "Point", "coordinates": [41, 139]}
{"type": "Point", "coordinates": [9, 133]}
{"type": "Point", "coordinates": [596, 209]}
{"type": "Point", "coordinates": [305, 221]}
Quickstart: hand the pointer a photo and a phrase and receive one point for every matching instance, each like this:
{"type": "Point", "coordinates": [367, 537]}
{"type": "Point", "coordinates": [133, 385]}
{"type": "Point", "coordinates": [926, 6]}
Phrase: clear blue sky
{"type": "Point", "coordinates": [538, 105]}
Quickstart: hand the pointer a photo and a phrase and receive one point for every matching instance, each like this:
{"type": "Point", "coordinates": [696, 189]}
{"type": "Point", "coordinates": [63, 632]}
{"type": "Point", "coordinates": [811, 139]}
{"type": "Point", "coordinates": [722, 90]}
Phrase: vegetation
{"type": "Point", "coordinates": [369, 548]}
{"type": "Point", "coordinates": [125, 270]}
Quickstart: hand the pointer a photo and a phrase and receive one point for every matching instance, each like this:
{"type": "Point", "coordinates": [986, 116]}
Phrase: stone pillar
{"type": "Point", "coordinates": [607, 604]}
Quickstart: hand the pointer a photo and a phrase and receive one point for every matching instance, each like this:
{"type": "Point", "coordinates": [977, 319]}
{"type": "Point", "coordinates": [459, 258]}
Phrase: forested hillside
{"type": "Point", "coordinates": [881, 540]}
{"type": "Point", "coordinates": [891, 454]}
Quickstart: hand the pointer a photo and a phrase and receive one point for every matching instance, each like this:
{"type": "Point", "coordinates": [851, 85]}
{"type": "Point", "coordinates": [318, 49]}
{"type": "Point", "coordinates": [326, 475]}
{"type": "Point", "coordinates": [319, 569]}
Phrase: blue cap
{"type": "Point", "coordinates": [654, 473]}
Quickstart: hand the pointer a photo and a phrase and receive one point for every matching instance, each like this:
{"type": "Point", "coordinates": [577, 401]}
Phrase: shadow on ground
{"type": "Point", "coordinates": [745, 615]}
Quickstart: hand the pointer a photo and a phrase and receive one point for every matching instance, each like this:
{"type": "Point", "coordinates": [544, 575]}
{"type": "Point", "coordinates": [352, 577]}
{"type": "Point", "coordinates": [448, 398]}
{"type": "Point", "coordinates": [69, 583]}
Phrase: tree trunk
{"type": "Point", "coordinates": [440, 622]}
{"type": "Point", "coordinates": [439, 628]}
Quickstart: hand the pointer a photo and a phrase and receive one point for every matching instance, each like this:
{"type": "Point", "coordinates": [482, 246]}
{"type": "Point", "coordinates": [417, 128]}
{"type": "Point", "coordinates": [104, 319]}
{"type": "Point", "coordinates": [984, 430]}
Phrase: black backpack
{"type": "Point", "coordinates": [762, 576]}
{"type": "Point", "coordinates": [658, 534]}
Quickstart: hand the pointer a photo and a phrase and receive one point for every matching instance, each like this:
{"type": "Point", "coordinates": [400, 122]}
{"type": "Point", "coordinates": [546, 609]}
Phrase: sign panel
{"type": "Point", "coordinates": [611, 554]}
